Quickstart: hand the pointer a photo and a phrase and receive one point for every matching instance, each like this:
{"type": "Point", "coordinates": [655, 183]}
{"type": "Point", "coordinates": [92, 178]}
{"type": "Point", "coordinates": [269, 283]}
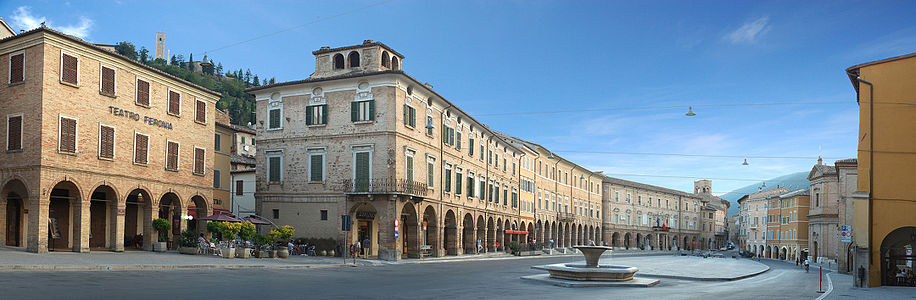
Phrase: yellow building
{"type": "Point", "coordinates": [885, 204]}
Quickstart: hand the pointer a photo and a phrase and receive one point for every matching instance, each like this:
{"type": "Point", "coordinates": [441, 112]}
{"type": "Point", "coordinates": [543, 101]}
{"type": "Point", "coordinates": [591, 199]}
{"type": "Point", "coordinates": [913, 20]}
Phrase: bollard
{"type": "Point", "coordinates": [820, 279]}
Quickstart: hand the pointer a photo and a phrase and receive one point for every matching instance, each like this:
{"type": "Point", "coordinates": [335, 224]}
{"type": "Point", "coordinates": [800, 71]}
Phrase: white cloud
{"type": "Point", "coordinates": [750, 32]}
{"type": "Point", "coordinates": [24, 19]}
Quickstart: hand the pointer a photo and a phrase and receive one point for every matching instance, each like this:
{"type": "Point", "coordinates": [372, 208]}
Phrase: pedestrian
{"type": "Point", "coordinates": [497, 246]}
{"type": "Point", "coordinates": [796, 262]}
{"type": "Point", "coordinates": [479, 246]}
{"type": "Point", "coordinates": [359, 248]}
{"type": "Point", "coordinates": [366, 246]}
{"type": "Point", "coordinates": [806, 265]}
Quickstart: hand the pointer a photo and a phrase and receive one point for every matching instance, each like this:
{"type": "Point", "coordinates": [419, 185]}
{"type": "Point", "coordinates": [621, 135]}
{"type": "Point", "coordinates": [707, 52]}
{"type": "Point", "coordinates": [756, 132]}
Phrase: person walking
{"type": "Point", "coordinates": [479, 246]}
{"type": "Point", "coordinates": [359, 248]}
{"type": "Point", "coordinates": [806, 265]}
{"type": "Point", "coordinates": [366, 246]}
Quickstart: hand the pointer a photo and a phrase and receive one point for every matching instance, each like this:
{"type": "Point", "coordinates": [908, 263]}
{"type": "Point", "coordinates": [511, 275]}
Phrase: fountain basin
{"type": "Point", "coordinates": [586, 273]}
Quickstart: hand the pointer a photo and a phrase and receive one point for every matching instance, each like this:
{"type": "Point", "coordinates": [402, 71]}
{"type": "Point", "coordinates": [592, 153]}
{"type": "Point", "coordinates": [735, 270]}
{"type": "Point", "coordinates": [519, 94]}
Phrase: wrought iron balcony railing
{"type": "Point", "coordinates": [566, 217]}
{"type": "Point", "coordinates": [384, 186]}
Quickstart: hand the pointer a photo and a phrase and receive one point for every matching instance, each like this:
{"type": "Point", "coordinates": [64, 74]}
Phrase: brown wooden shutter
{"type": "Point", "coordinates": [106, 142]}
{"type": "Point", "coordinates": [201, 111]}
{"type": "Point", "coordinates": [68, 69]}
{"type": "Point", "coordinates": [17, 71]}
{"type": "Point", "coordinates": [68, 135]}
{"type": "Point", "coordinates": [108, 81]}
{"type": "Point", "coordinates": [174, 103]}
{"type": "Point", "coordinates": [198, 161]}
{"type": "Point", "coordinates": [239, 187]}
{"type": "Point", "coordinates": [141, 148]}
{"type": "Point", "coordinates": [14, 136]}
{"type": "Point", "coordinates": [171, 160]}
{"type": "Point", "coordinates": [142, 92]}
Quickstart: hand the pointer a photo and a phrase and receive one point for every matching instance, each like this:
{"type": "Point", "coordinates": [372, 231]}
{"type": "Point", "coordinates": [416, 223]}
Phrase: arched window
{"type": "Point", "coordinates": [394, 63]}
{"type": "Point", "coordinates": [353, 57]}
{"type": "Point", "coordinates": [338, 61]}
{"type": "Point", "coordinates": [385, 62]}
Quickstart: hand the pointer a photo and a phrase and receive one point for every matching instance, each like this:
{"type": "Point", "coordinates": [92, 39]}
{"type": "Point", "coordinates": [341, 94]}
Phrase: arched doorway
{"type": "Point", "coordinates": [626, 241]}
{"type": "Point", "coordinates": [481, 234]}
{"type": "Point", "coordinates": [430, 230]}
{"type": "Point", "coordinates": [138, 224]}
{"type": "Point", "coordinates": [507, 238]}
{"type": "Point", "coordinates": [363, 216]}
{"type": "Point", "coordinates": [685, 244]}
{"type": "Point", "coordinates": [553, 234]}
{"type": "Point", "coordinates": [615, 239]}
{"type": "Point", "coordinates": [783, 253]}
{"type": "Point", "coordinates": [198, 209]}
{"type": "Point", "coordinates": [170, 210]}
{"type": "Point", "coordinates": [469, 240]}
{"type": "Point", "coordinates": [411, 235]}
{"type": "Point", "coordinates": [63, 215]}
{"type": "Point", "coordinates": [491, 235]}
{"type": "Point", "coordinates": [539, 228]}
{"type": "Point", "coordinates": [103, 206]}
{"type": "Point", "coordinates": [451, 233]}
{"type": "Point", "coordinates": [897, 256]}
{"type": "Point", "coordinates": [16, 195]}
{"type": "Point", "coordinates": [639, 242]}
{"type": "Point", "coordinates": [530, 232]}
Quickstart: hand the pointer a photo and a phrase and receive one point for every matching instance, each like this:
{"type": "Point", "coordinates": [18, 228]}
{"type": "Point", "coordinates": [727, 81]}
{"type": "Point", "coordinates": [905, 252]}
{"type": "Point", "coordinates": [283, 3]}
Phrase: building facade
{"type": "Point", "coordinates": [884, 205]}
{"type": "Point", "coordinates": [823, 226]}
{"type": "Point", "coordinates": [753, 210]}
{"type": "Point", "coordinates": [97, 146]}
{"type": "Point", "coordinates": [643, 216]}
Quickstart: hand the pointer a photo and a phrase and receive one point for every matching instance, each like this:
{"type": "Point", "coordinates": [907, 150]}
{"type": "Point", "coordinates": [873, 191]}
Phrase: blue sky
{"type": "Point", "coordinates": [543, 56]}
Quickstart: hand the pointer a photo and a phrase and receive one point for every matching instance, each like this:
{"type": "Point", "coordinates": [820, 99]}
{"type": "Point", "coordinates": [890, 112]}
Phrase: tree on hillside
{"type": "Point", "coordinates": [219, 68]}
{"type": "Point", "coordinates": [248, 76]}
{"type": "Point", "coordinates": [144, 55]}
{"type": "Point", "coordinates": [173, 61]}
{"type": "Point", "coordinates": [255, 81]}
{"type": "Point", "coordinates": [273, 80]}
{"type": "Point", "coordinates": [126, 49]}
{"type": "Point", "coordinates": [190, 61]}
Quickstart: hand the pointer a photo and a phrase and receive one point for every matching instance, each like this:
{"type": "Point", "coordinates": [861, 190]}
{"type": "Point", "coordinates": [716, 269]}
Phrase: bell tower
{"type": "Point", "coordinates": [702, 186]}
{"type": "Point", "coordinates": [368, 57]}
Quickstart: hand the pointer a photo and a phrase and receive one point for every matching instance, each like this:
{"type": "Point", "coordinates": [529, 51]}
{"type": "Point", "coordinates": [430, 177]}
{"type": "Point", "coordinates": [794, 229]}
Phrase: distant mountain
{"type": "Point", "coordinates": [792, 182]}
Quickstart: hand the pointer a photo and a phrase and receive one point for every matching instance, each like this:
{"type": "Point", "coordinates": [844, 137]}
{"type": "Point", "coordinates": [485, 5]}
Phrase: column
{"type": "Point", "coordinates": [389, 247]}
{"type": "Point", "coordinates": [116, 226]}
{"type": "Point", "coordinates": [80, 223]}
{"type": "Point", "coordinates": [38, 225]}
{"type": "Point", "coordinates": [150, 235]}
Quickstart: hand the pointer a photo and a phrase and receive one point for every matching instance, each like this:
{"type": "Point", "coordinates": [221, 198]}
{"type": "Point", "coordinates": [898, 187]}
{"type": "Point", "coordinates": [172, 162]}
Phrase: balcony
{"type": "Point", "coordinates": [384, 186]}
{"type": "Point", "coordinates": [566, 217]}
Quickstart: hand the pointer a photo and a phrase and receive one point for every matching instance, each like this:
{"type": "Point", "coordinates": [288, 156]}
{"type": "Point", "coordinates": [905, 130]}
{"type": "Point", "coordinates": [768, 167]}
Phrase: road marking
{"type": "Point", "coordinates": [829, 288]}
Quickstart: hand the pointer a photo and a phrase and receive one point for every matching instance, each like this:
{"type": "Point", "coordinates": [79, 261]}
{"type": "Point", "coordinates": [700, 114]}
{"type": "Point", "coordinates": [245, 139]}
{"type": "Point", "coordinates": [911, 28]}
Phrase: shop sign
{"type": "Point", "coordinates": [136, 117]}
{"type": "Point", "coordinates": [365, 215]}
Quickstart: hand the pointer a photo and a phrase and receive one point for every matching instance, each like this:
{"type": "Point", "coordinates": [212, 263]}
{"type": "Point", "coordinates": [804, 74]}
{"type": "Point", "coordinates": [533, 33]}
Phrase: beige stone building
{"type": "Point", "coordinates": [832, 189]}
{"type": "Point", "coordinates": [753, 212]}
{"type": "Point", "coordinates": [97, 146]}
{"type": "Point", "coordinates": [638, 215]}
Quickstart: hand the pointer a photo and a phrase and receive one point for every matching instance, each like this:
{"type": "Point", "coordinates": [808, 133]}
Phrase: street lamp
{"type": "Point", "coordinates": [690, 112]}
{"type": "Point", "coordinates": [745, 162]}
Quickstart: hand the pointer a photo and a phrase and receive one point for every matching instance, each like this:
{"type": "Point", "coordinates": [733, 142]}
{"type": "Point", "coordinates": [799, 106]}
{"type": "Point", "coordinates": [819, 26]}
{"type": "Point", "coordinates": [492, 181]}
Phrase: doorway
{"type": "Point", "coordinates": [363, 233]}
{"type": "Point", "coordinates": [13, 220]}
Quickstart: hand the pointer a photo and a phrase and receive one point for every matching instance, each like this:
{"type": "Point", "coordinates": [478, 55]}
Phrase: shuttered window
{"type": "Point", "coordinates": [316, 115]}
{"type": "Point", "coordinates": [14, 133]}
{"type": "Point", "coordinates": [141, 146]}
{"type": "Point", "coordinates": [201, 112]}
{"type": "Point", "coordinates": [410, 116]}
{"type": "Point", "coordinates": [408, 168]}
{"type": "Point", "coordinates": [17, 68]}
{"type": "Point", "coordinates": [171, 156]}
{"type": "Point", "coordinates": [68, 69]}
{"type": "Point", "coordinates": [316, 167]}
{"type": "Point", "coordinates": [142, 92]}
{"type": "Point", "coordinates": [274, 119]}
{"type": "Point", "coordinates": [216, 179]}
{"type": "Point", "coordinates": [106, 142]}
{"type": "Point", "coordinates": [239, 187]}
{"type": "Point", "coordinates": [199, 161]}
{"type": "Point", "coordinates": [448, 180]}
{"type": "Point", "coordinates": [67, 135]}
{"type": "Point", "coordinates": [471, 185]}
{"type": "Point", "coordinates": [471, 147]}
{"type": "Point", "coordinates": [430, 171]}
{"type": "Point", "coordinates": [274, 168]}
{"type": "Point", "coordinates": [174, 103]}
{"type": "Point", "coordinates": [107, 85]}
{"type": "Point", "coordinates": [362, 171]}
{"type": "Point", "coordinates": [362, 111]}
{"type": "Point", "coordinates": [458, 180]}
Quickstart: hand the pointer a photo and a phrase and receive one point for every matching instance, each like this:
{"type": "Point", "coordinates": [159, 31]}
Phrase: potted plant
{"type": "Point", "coordinates": [228, 231]}
{"type": "Point", "coordinates": [515, 247]}
{"type": "Point", "coordinates": [247, 232]}
{"type": "Point", "coordinates": [188, 243]}
{"type": "Point", "coordinates": [281, 235]}
{"type": "Point", "coordinates": [162, 226]}
{"type": "Point", "coordinates": [262, 243]}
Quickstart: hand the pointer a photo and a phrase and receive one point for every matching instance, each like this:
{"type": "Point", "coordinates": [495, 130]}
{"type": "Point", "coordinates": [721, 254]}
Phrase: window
{"type": "Point", "coordinates": [394, 63]}
{"type": "Point", "coordinates": [471, 146]}
{"type": "Point", "coordinates": [448, 136]}
{"type": "Point", "coordinates": [316, 115]}
{"type": "Point", "coordinates": [171, 156]}
{"type": "Point", "coordinates": [67, 141]}
{"type": "Point", "coordinates": [470, 185]}
{"type": "Point", "coordinates": [362, 170]}
{"type": "Point", "coordinates": [174, 103]}
{"type": "Point", "coordinates": [338, 61]}
{"type": "Point", "coordinates": [448, 180]}
{"type": "Point", "coordinates": [216, 178]}
{"type": "Point", "coordinates": [107, 81]}
{"type": "Point", "coordinates": [216, 142]}
{"type": "Point", "coordinates": [481, 152]}
{"type": "Point", "coordinates": [410, 116]}
{"type": "Point", "coordinates": [506, 196]}
{"type": "Point", "coordinates": [430, 171]}
{"type": "Point", "coordinates": [239, 187]}
{"type": "Point", "coordinates": [353, 57]}
{"type": "Point", "coordinates": [458, 141]}
{"type": "Point", "coordinates": [274, 166]}
{"type": "Point", "coordinates": [106, 142]}
{"type": "Point", "coordinates": [199, 155]}
{"type": "Point", "coordinates": [458, 179]}
{"type": "Point", "coordinates": [362, 111]}
{"type": "Point", "coordinates": [324, 214]}
{"type": "Point", "coordinates": [69, 69]}
{"type": "Point", "coordinates": [276, 213]}
{"type": "Point", "coordinates": [17, 68]}
{"type": "Point", "coordinates": [142, 93]}
{"type": "Point", "coordinates": [386, 62]}
{"type": "Point", "coordinates": [408, 167]}
{"type": "Point", "coordinates": [482, 189]}
{"type": "Point", "coordinates": [429, 123]}
{"type": "Point", "coordinates": [274, 116]}
{"type": "Point", "coordinates": [200, 111]}
{"type": "Point", "coordinates": [14, 132]}
{"type": "Point", "coordinates": [316, 166]}
{"type": "Point", "coordinates": [141, 146]}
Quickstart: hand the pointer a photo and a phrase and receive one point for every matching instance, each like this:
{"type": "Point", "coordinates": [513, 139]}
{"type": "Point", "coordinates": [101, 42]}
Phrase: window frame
{"type": "Point", "coordinates": [114, 133]}
{"type": "Point", "coordinates": [317, 151]}
{"type": "Point", "coordinates": [60, 133]}
{"type": "Point", "coordinates": [239, 188]}
{"type": "Point", "coordinates": [280, 123]}
{"type": "Point", "coordinates": [21, 131]}
{"type": "Point", "coordinates": [217, 184]}
{"type": "Point", "coordinates": [61, 70]}
{"type": "Point", "coordinates": [203, 172]}
{"type": "Point", "coordinates": [114, 80]}
{"type": "Point", "coordinates": [10, 67]}
{"type": "Point", "coordinates": [149, 88]}
{"type": "Point", "coordinates": [177, 155]}
{"type": "Point", "coordinates": [197, 103]}
{"type": "Point", "coordinates": [271, 153]}
{"type": "Point", "coordinates": [135, 149]}
{"type": "Point", "coordinates": [168, 100]}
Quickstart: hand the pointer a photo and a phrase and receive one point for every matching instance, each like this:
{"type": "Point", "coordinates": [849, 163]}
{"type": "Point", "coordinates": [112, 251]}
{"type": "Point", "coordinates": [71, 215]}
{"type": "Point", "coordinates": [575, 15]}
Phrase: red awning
{"type": "Point", "coordinates": [220, 211]}
{"type": "Point", "coordinates": [516, 232]}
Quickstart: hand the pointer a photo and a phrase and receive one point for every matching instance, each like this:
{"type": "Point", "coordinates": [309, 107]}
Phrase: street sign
{"type": "Point", "coordinates": [845, 233]}
{"type": "Point", "coordinates": [345, 223]}
{"type": "Point", "coordinates": [395, 234]}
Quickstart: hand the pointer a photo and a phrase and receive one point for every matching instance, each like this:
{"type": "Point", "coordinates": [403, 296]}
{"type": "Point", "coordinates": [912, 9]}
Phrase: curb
{"type": "Point", "coordinates": [163, 267]}
{"type": "Point", "coordinates": [706, 278]}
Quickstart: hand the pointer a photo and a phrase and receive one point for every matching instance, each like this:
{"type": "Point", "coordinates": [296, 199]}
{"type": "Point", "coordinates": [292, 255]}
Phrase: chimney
{"type": "Point", "coordinates": [366, 42]}
{"type": "Point", "coordinates": [819, 161]}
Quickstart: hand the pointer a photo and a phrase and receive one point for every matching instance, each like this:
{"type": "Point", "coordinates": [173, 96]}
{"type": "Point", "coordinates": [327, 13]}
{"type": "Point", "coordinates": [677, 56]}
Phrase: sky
{"type": "Point", "coordinates": [573, 76]}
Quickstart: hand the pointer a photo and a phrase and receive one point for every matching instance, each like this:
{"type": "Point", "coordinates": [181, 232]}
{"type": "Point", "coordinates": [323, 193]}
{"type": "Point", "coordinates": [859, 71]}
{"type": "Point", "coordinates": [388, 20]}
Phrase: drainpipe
{"type": "Point", "coordinates": [441, 179]}
{"type": "Point", "coordinates": [871, 154]}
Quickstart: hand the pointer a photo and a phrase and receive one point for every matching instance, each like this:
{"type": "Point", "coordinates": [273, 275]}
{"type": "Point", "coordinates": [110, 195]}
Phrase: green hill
{"type": "Point", "coordinates": [792, 182]}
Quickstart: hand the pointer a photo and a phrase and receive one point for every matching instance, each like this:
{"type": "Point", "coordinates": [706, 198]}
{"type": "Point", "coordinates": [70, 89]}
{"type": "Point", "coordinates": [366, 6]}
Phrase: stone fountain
{"type": "Point", "coordinates": [591, 273]}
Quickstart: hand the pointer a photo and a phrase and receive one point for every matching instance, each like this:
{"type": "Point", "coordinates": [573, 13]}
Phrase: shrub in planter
{"type": "Point", "coordinates": [515, 246]}
{"type": "Point", "coordinates": [247, 231]}
{"type": "Point", "coordinates": [162, 226]}
{"type": "Point", "coordinates": [188, 242]}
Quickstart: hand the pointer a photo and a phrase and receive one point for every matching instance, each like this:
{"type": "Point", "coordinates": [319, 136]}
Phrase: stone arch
{"type": "Point", "coordinates": [530, 230]}
{"type": "Point", "coordinates": [198, 207]}
{"type": "Point", "coordinates": [626, 240]}
{"type": "Point", "coordinates": [65, 202]}
{"type": "Point", "coordinates": [429, 224]}
{"type": "Point", "coordinates": [386, 60]}
{"type": "Point", "coordinates": [338, 61]}
{"type": "Point", "coordinates": [395, 64]}
{"type": "Point", "coordinates": [894, 247]}
{"type": "Point", "coordinates": [171, 209]}
{"type": "Point", "coordinates": [353, 59]}
{"type": "Point", "coordinates": [639, 241]}
{"type": "Point", "coordinates": [103, 211]}
{"type": "Point", "coordinates": [507, 238]}
{"type": "Point", "coordinates": [491, 235]}
{"type": "Point", "coordinates": [411, 236]}
{"type": "Point", "coordinates": [469, 240]}
{"type": "Point", "coordinates": [481, 233]}
{"type": "Point", "coordinates": [15, 195]}
{"type": "Point", "coordinates": [500, 234]}
{"type": "Point", "coordinates": [615, 239]}
{"type": "Point", "coordinates": [138, 219]}
{"type": "Point", "coordinates": [450, 238]}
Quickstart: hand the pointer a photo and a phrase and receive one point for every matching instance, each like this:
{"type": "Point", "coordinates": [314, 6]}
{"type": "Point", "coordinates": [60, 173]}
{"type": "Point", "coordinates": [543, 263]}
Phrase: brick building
{"type": "Point", "coordinates": [97, 146]}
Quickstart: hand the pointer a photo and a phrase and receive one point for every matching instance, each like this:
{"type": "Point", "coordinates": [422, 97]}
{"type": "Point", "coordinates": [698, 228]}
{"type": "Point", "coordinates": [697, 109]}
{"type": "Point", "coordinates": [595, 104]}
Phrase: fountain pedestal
{"type": "Point", "coordinates": [591, 273]}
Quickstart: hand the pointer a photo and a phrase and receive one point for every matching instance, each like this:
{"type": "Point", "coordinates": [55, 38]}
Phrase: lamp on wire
{"type": "Point", "coordinates": [690, 112]}
{"type": "Point", "coordinates": [429, 125]}
{"type": "Point", "coordinates": [745, 162]}
{"type": "Point", "coordinates": [550, 156]}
